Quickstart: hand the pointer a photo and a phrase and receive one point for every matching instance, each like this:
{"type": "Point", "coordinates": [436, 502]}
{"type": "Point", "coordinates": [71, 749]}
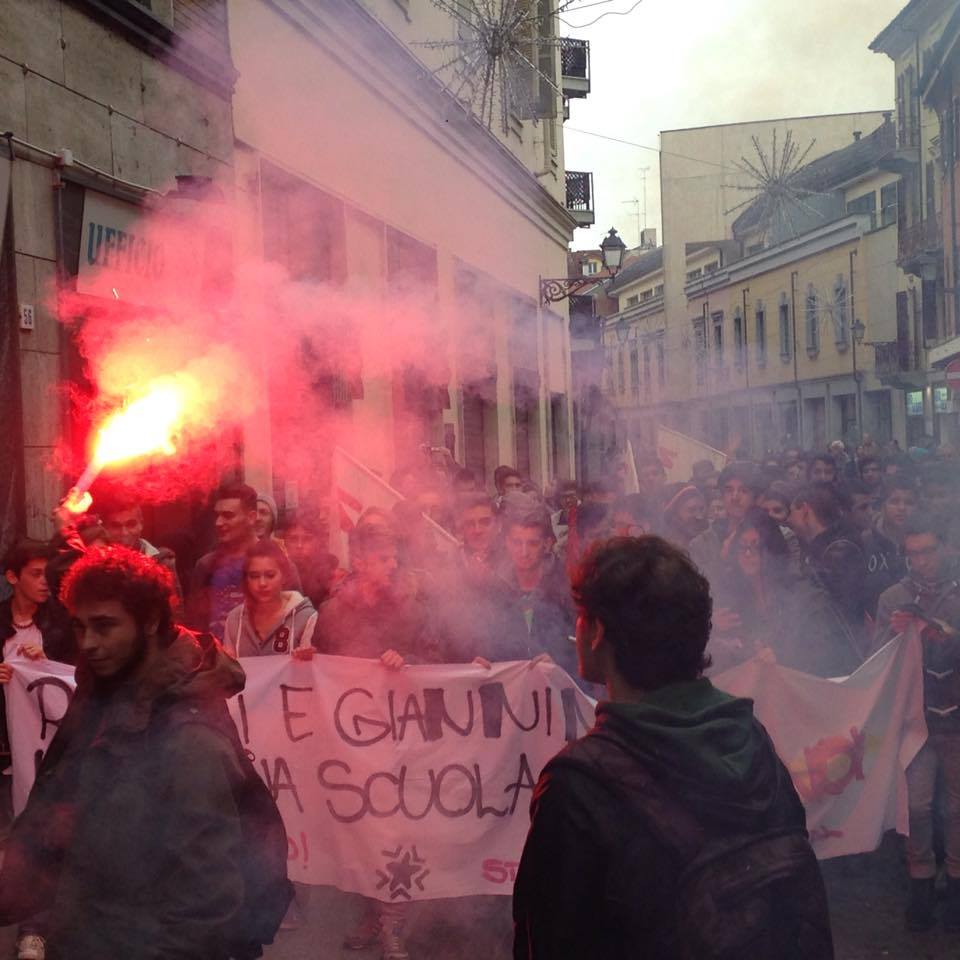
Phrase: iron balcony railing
{"type": "Point", "coordinates": [892, 356]}
{"type": "Point", "coordinates": [580, 196]}
{"type": "Point", "coordinates": [920, 240]}
{"type": "Point", "coordinates": [575, 66]}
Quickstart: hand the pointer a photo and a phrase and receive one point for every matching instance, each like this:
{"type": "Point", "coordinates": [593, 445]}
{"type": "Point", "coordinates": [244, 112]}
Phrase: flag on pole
{"type": "Point", "coordinates": [678, 453]}
{"type": "Point", "coordinates": [355, 489]}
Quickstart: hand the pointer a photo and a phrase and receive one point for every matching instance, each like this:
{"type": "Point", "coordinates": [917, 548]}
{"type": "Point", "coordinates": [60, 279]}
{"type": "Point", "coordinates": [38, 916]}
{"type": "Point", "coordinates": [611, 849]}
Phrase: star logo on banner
{"type": "Point", "coordinates": [403, 870]}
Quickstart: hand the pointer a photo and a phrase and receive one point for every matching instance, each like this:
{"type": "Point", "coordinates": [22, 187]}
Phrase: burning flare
{"type": "Point", "coordinates": [147, 425]}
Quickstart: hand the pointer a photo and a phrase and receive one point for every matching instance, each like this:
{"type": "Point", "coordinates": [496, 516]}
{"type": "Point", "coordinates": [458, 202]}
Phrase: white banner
{"type": "Point", "coordinates": [400, 785]}
{"type": "Point", "coordinates": [847, 742]}
{"type": "Point", "coordinates": [416, 784]}
{"type": "Point", "coordinates": [678, 453]}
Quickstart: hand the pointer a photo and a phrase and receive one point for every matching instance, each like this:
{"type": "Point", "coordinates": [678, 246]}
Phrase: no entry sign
{"type": "Point", "coordinates": [953, 374]}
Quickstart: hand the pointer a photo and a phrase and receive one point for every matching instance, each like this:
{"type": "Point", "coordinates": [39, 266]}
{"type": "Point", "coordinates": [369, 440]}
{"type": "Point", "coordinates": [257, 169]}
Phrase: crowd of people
{"type": "Point", "coordinates": [814, 561]}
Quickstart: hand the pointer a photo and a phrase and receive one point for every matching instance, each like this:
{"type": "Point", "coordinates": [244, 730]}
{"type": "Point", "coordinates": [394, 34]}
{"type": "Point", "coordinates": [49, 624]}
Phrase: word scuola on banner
{"type": "Point", "coordinates": [416, 784]}
{"type": "Point", "coordinates": [399, 785]}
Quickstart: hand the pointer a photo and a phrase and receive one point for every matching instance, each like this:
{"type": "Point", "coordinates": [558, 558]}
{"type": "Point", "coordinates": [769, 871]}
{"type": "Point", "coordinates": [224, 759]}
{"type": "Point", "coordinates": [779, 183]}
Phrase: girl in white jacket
{"type": "Point", "coordinates": [270, 620]}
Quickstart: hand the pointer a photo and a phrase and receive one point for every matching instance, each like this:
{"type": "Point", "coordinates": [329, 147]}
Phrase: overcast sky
{"type": "Point", "coordinates": [688, 63]}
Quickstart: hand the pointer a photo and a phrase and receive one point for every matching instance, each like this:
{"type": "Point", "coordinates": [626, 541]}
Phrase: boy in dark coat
{"type": "Point", "coordinates": [131, 843]}
{"type": "Point", "coordinates": [677, 784]}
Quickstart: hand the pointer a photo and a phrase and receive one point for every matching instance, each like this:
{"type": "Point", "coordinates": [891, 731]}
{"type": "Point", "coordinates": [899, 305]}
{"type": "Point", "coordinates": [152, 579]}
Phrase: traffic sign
{"type": "Point", "coordinates": [953, 374]}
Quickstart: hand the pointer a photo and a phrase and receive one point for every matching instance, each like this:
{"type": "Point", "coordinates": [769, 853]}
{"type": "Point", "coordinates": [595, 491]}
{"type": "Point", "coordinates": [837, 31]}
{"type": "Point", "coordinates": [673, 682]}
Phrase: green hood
{"type": "Point", "coordinates": [705, 742]}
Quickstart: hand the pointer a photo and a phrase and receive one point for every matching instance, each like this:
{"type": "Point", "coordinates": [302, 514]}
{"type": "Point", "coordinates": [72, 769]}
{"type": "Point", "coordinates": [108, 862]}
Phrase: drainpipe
{"type": "Point", "coordinates": [796, 374]}
{"type": "Point", "coordinates": [851, 331]}
{"type": "Point", "coordinates": [746, 369]}
{"type": "Point", "coordinates": [952, 167]}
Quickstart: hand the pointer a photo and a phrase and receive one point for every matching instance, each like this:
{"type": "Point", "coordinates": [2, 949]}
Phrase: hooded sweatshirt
{"type": "Point", "coordinates": [596, 880]}
{"type": "Point", "coordinates": [293, 628]}
{"type": "Point", "coordinates": [131, 837]}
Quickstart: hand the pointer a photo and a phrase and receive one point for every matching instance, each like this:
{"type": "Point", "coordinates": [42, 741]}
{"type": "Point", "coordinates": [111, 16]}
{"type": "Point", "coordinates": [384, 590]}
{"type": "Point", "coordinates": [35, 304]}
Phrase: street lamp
{"type": "Point", "coordinates": [612, 249]}
{"type": "Point", "coordinates": [554, 289]}
{"type": "Point", "coordinates": [622, 331]}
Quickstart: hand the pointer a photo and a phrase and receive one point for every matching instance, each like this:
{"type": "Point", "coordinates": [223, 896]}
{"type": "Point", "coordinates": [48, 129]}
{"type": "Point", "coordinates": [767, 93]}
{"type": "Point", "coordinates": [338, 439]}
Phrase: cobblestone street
{"type": "Point", "coordinates": [866, 896]}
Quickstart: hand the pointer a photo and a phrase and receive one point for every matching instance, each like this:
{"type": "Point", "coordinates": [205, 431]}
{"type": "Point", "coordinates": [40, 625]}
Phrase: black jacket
{"type": "Point", "coordinates": [596, 882]}
{"type": "Point", "coordinates": [835, 561]}
{"type": "Point", "coordinates": [131, 837]}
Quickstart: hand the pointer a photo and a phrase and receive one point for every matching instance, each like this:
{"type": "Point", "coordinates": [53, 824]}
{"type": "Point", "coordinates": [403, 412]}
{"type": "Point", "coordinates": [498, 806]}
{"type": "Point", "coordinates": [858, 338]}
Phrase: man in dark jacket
{"type": "Point", "coordinates": [131, 842]}
{"type": "Point", "coordinates": [833, 555]}
{"type": "Point", "coordinates": [635, 826]}
{"type": "Point", "coordinates": [927, 601]}
{"type": "Point", "coordinates": [540, 592]}
{"type": "Point", "coordinates": [883, 543]}
{"type": "Point", "coordinates": [471, 597]}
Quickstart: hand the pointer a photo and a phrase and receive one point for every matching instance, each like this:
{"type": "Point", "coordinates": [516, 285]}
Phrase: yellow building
{"type": "Point", "coordinates": [786, 325]}
{"type": "Point", "coordinates": [341, 108]}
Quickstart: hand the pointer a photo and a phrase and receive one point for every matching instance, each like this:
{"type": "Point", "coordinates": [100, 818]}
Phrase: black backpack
{"type": "Point", "coordinates": [756, 894]}
{"type": "Point", "coordinates": [267, 890]}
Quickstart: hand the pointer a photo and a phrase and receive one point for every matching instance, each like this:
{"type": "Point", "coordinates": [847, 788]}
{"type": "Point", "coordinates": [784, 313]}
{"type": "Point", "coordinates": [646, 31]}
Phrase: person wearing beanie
{"type": "Point", "coordinates": [267, 513]}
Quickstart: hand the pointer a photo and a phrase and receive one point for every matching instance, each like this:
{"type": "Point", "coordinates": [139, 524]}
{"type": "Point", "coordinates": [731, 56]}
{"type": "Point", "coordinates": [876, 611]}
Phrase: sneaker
{"type": "Point", "coordinates": [31, 947]}
{"type": "Point", "coordinates": [951, 908]}
{"type": "Point", "coordinates": [391, 939]}
{"type": "Point", "coordinates": [920, 907]}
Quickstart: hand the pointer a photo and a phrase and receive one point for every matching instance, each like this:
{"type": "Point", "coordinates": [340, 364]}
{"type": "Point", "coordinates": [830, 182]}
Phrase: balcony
{"type": "Point", "coordinates": [575, 67]}
{"type": "Point", "coordinates": [920, 246]}
{"type": "Point", "coordinates": [580, 197]}
{"type": "Point", "coordinates": [894, 365]}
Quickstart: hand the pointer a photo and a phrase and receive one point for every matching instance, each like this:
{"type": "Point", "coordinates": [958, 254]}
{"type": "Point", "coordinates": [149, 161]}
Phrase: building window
{"type": "Point", "coordinates": [700, 350]}
{"type": "Point", "coordinates": [760, 334]}
{"type": "Point", "coordinates": [888, 204]}
{"type": "Point", "coordinates": [589, 267]}
{"type": "Point", "coordinates": [914, 403]}
{"type": "Point", "coordinates": [786, 334]}
{"type": "Point", "coordinates": [647, 377]}
{"type": "Point", "coordinates": [941, 400]}
{"type": "Point", "coordinates": [634, 373]}
{"type": "Point", "coordinates": [646, 295]}
{"type": "Point", "coordinates": [717, 319]}
{"type": "Point", "coordinates": [712, 267]}
{"type": "Point", "coordinates": [813, 322]}
{"type": "Point", "coordinates": [661, 362]}
{"type": "Point", "coordinates": [633, 301]}
{"type": "Point", "coordinates": [621, 375]}
{"type": "Point", "coordinates": [738, 337]}
{"type": "Point", "coordinates": [658, 290]}
{"type": "Point", "coordinates": [865, 204]}
{"type": "Point", "coordinates": [841, 314]}
{"type": "Point", "coordinates": [694, 275]}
